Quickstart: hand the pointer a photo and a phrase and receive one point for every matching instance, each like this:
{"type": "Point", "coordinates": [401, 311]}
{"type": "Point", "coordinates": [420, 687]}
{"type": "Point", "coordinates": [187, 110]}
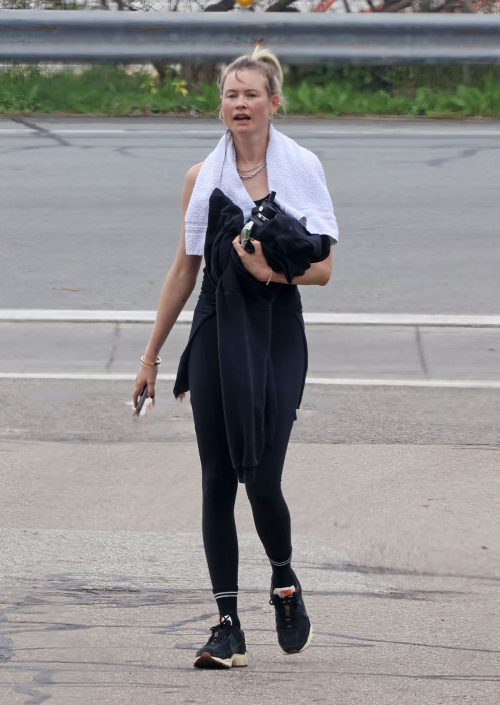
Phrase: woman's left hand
{"type": "Point", "coordinates": [254, 262]}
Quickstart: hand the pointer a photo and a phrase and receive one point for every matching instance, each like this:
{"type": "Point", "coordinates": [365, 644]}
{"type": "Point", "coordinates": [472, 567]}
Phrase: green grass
{"type": "Point", "coordinates": [335, 99]}
{"type": "Point", "coordinates": [110, 90]}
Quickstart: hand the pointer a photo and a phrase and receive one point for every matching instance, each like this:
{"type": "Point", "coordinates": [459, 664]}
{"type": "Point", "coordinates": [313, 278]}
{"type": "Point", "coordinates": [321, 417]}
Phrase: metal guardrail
{"type": "Point", "coordinates": [296, 38]}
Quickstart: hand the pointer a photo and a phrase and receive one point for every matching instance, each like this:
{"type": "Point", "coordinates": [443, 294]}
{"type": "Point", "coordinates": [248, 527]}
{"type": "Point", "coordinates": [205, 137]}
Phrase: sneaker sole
{"type": "Point", "coordinates": [206, 660]}
{"type": "Point", "coordinates": [298, 651]}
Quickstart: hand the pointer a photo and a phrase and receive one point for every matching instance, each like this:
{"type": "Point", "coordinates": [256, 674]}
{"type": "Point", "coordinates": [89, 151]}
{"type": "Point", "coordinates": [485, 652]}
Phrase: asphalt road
{"type": "Point", "coordinates": [91, 210]}
{"type": "Point", "coordinates": [392, 469]}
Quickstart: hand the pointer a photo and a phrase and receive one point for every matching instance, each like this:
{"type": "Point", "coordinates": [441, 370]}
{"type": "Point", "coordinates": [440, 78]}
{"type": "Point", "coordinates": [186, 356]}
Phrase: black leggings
{"type": "Point", "coordinates": [219, 478]}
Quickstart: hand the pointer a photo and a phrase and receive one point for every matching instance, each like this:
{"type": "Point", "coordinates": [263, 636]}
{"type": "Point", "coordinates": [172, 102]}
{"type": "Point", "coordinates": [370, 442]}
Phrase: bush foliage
{"type": "Point", "coordinates": [111, 90]}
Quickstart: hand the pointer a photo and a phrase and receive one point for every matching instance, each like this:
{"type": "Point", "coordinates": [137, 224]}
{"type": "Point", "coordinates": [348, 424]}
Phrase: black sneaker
{"type": "Point", "coordinates": [293, 626]}
{"type": "Point", "coordinates": [225, 648]}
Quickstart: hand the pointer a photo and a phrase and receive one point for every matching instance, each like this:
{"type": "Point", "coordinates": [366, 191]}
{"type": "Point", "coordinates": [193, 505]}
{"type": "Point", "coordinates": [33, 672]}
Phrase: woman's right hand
{"type": "Point", "coordinates": [146, 375]}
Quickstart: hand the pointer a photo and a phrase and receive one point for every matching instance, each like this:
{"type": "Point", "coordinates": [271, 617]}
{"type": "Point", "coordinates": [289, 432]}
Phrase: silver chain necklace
{"type": "Point", "coordinates": [257, 170]}
{"type": "Point", "coordinates": [245, 171]}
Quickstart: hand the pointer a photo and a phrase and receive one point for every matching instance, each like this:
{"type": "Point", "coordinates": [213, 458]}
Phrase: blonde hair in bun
{"type": "Point", "coordinates": [263, 60]}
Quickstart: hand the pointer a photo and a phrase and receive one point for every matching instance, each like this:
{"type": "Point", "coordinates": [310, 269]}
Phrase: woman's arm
{"type": "Point", "coordinates": [180, 280]}
{"type": "Point", "coordinates": [318, 273]}
{"type": "Point", "coordinates": [255, 262]}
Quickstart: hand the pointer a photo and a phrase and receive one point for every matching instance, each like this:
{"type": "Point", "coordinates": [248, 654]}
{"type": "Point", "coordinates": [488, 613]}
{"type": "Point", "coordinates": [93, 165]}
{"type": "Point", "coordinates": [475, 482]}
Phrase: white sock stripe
{"type": "Point", "coordinates": [225, 594]}
{"type": "Point", "coordinates": [280, 564]}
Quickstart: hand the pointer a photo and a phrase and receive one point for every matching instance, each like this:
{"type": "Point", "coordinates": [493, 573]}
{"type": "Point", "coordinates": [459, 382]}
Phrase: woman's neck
{"type": "Point", "coordinates": [251, 149]}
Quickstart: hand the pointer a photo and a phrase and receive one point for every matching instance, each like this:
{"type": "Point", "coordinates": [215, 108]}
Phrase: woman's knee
{"type": "Point", "coordinates": [219, 488]}
{"type": "Point", "coordinates": [264, 497]}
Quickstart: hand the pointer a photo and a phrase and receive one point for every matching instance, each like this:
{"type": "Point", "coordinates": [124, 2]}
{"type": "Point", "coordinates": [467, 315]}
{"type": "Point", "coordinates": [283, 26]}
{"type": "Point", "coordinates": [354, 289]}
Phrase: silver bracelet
{"type": "Point", "coordinates": [269, 277]}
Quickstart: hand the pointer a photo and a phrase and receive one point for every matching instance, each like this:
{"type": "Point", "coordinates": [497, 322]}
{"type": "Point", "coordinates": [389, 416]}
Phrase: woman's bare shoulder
{"type": "Point", "coordinates": [193, 172]}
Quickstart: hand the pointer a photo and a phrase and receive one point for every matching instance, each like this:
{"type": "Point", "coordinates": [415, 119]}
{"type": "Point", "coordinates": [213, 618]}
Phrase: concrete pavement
{"type": "Point", "coordinates": [410, 352]}
{"type": "Point", "coordinates": [106, 594]}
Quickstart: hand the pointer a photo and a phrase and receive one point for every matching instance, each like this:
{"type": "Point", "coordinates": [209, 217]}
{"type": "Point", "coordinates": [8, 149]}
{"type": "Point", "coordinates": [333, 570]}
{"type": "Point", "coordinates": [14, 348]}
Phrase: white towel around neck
{"type": "Point", "coordinates": [294, 172]}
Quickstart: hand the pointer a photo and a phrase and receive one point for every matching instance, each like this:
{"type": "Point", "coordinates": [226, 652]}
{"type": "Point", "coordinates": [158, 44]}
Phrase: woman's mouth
{"type": "Point", "coordinates": [242, 118]}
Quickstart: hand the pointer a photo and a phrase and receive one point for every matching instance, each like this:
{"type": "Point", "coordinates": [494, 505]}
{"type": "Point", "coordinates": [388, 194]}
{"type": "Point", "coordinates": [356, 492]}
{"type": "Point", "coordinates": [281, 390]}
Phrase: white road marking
{"type": "Point", "coordinates": [390, 132]}
{"type": "Point", "coordinates": [334, 381]}
{"type": "Point", "coordinates": [311, 318]}
{"type": "Point", "coordinates": [45, 132]}
{"type": "Point", "coordinates": [407, 382]}
{"type": "Point", "coordinates": [400, 319]}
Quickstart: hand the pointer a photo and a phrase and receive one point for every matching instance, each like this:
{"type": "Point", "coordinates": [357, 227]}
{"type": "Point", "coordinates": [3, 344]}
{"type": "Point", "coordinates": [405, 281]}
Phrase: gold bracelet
{"type": "Point", "coordinates": [150, 364]}
{"type": "Point", "coordinates": [269, 277]}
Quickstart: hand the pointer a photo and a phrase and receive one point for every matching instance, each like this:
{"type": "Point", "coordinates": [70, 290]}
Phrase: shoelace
{"type": "Point", "coordinates": [219, 632]}
{"type": "Point", "coordinates": [287, 610]}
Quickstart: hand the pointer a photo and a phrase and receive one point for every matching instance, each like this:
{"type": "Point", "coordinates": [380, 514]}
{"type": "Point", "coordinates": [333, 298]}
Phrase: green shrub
{"type": "Point", "coordinates": [114, 90]}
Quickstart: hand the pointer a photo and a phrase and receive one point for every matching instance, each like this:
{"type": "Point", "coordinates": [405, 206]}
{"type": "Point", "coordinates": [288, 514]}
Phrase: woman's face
{"type": "Point", "coordinates": [246, 94]}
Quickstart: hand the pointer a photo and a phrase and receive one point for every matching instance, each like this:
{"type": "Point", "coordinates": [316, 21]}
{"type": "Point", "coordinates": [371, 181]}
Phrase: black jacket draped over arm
{"type": "Point", "coordinates": [243, 307]}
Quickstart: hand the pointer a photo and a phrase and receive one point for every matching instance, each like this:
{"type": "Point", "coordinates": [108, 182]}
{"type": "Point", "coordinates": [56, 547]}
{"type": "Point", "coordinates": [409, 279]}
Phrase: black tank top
{"type": "Point", "coordinates": [257, 203]}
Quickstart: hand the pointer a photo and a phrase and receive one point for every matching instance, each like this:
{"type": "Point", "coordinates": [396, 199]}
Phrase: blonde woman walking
{"type": "Point", "coordinates": [246, 359]}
